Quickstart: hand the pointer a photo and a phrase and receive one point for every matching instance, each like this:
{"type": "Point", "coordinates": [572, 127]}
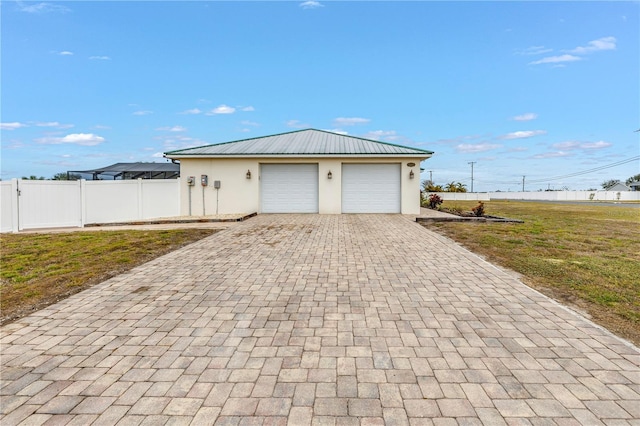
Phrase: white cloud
{"type": "Point", "coordinates": [177, 141]}
{"type": "Point", "coordinates": [517, 149]}
{"type": "Point", "coordinates": [222, 109]}
{"type": "Point", "coordinates": [350, 121]}
{"type": "Point", "coordinates": [192, 111]}
{"type": "Point", "coordinates": [338, 131]}
{"type": "Point", "coordinates": [566, 145]}
{"type": "Point", "coordinates": [534, 50]}
{"type": "Point", "coordinates": [172, 129]}
{"type": "Point", "coordinates": [479, 147]}
{"type": "Point", "coordinates": [12, 144]}
{"type": "Point", "coordinates": [296, 124]}
{"type": "Point", "coordinates": [100, 58]}
{"type": "Point", "coordinates": [604, 43]}
{"type": "Point", "coordinates": [41, 8]}
{"type": "Point", "coordinates": [457, 139]}
{"type": "Point", "coordinates": [523, 134]}
{"type": "Point", "coordinates": [84, 139]}
{"type": "Point", "coordinates": [555, 154]}
{"type": "Point", "coordinates": [249, 123]}
{"type": "Point", "coordinates": [556, 59]}
{"type": "Point", "coordinates": [158, 155]}
{"type": "Point", "coordinates": [65, 53]}
{"type": "Point", "coordinates": [526, 117]}
{"type": "Point", "coordinates": [571, 145]}
{"type": "Point", "coordinates": [595, 145]}
{"type": "Point", "coordinates": [311, 4]}
{"type": "Point", "coordinates": [59, 163]}
{"type": "Point", "coordinates": [143, 112]}
{"type": "Point", "coordinates": [101, 127]}
{"type": "Point", "coordinates": [53, 124]}
{"type": "Point", "coordinates": [379, 134]}
{"type": "Point", "coordinates": [247, 108]}
{"type": "Point", "coordinates": [12, 126]}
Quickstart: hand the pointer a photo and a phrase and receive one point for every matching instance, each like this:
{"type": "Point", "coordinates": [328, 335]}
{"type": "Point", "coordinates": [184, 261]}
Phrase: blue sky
{"type": "Point", "coordinates": [535, 89]}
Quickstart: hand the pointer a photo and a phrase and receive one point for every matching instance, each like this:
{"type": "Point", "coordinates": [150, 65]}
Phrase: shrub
{"type": "Point", "coordinates": [434, 201]}
{"type": "Point", "coordinates": [479, 209]}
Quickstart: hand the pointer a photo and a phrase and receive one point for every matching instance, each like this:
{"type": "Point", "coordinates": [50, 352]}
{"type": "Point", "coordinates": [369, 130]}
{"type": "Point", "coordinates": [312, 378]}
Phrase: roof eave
{"type": "Point", "coordinates": [422, 155]}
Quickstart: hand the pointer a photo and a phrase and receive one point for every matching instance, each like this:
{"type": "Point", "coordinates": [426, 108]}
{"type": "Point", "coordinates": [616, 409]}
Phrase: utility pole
{"type": "Point", "coordinates": [523, 183]}
{"type": "Point", "coordinates": [431, 176]}
{"type": "Point", "coordinates": [472, 163]}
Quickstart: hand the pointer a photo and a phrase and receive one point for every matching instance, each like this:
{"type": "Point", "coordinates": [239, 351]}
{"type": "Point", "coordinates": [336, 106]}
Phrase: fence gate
{"type": "Point", "coordinates": [49, 204]}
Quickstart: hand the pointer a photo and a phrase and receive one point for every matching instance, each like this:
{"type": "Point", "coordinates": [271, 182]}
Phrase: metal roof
{"type": "Point", "coordinates": [300, 143]}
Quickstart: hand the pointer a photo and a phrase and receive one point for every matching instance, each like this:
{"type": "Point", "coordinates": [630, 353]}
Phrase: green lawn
{"type": "Point", "coordinates": [40, 269]}
{"type": "Point", "coordinates": [586, 255]}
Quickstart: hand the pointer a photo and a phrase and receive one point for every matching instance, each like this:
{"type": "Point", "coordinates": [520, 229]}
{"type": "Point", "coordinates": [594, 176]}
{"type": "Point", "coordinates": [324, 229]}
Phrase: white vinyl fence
{"type": "Point", "coordinates": [32, 204]}
{"type": "Point", "coordinates": [462, 196]}
{"type": "Point", "coordinates": [542, 196]}
{"type": "Point", "coordinates": [568, 195]}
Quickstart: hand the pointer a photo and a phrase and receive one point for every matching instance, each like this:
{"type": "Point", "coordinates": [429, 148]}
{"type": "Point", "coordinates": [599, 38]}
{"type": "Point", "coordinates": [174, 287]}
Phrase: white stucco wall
{"type": "Point", "coordinates": [410, 187]}
{"type": "Point", "coordinates": [237, 194]}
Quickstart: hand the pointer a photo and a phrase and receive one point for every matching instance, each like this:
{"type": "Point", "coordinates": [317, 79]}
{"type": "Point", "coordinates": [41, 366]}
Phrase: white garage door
{"type": "Point", "coordinates": [371, 188]}
{"type": "Point", "coordinates": [289, 188]}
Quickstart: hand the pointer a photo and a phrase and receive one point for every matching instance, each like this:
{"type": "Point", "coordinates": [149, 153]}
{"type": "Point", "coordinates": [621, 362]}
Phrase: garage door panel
{"type": "Point", "coordinates": [371, 188]}
{"type": "Point", "coordinates": [289, 188]}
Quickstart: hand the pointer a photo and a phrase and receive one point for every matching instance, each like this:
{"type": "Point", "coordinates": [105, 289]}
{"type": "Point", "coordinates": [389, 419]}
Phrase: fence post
{"type": "Point", "coordinates": [140, 212]}
{"type": "Point", "coordinates": [83, 203]}
{"type": "Point", "coordinates": [19, 189]}
{"type": "Point", "coordinates": [15, 211]}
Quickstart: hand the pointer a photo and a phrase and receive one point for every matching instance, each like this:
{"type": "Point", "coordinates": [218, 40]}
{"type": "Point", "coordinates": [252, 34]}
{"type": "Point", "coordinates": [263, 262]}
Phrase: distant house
{"type": "Point", "coordinates": [618, 187]}
{"type": "Point", "coordinates": [305, 171]}
{"type": "Point", "coordinates": [635, 186]}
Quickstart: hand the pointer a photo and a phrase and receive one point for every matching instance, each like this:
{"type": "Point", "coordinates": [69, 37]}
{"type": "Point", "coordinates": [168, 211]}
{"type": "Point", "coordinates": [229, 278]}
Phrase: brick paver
{"type": "Point", "coordinates": [312, 320]}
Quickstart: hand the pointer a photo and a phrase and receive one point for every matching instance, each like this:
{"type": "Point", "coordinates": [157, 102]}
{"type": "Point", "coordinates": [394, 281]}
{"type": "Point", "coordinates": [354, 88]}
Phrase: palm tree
{"type": "Point", "coordinates": [461, 187]}
{"type": "Point", "coordinates": [429, 186]}
{"type": "Point", "coordinates": [451, 187]}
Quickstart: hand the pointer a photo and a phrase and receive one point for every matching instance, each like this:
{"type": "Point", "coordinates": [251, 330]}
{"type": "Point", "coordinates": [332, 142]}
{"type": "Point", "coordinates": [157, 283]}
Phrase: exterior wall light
{"type": "Point", "coordinates": [329, 175]}
{"type": "Point", "coordinates": [411, 174]}
{"type": "Point", "coordinates": [248, 174]}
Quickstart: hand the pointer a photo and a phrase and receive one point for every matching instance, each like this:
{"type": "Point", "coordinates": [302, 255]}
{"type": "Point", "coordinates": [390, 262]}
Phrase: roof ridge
{"type": "Point", "coordinates": [272, 145]}
{"type": "Point", "coordinates": [239, 140]}
{"type": "Point", "coordinates": [371, 140]}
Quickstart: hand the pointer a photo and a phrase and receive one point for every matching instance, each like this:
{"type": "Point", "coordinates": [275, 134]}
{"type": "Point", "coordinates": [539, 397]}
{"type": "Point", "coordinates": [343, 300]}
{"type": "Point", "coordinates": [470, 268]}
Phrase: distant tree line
{"type": "Point", "coordinates": [57, 176]}
{"type": "Point", "coordinates": [429, 186]}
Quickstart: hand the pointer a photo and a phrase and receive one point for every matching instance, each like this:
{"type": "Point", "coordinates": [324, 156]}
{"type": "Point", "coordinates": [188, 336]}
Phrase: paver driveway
{"type": "Point", "coordinates": [353, 319]}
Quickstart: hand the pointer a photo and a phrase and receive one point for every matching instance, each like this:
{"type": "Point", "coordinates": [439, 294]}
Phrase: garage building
{"type": "Point", "coordinates": [306, 171]}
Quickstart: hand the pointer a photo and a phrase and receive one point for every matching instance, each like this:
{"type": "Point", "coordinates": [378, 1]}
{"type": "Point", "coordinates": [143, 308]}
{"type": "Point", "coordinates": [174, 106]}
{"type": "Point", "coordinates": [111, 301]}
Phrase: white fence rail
{"type": "Point", "coordinates": [463, 196]}
{"type": "Point", "coordinates": [26, 204]}
{"type": "Point", "coordinates": [568, 195]}
{"type": "Point", "coordinates": [542, 196]}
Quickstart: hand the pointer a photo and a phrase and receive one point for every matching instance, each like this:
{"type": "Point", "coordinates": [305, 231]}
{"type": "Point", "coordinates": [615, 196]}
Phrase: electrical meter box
{"type": "Point", "coordinates": [204, 180]}
{"type": "Point", "coordinates": [191, 180]}
{"type": "Point", "coordinates": [216, 184]}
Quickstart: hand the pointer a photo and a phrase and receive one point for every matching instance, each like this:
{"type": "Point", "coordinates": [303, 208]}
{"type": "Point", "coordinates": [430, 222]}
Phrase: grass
{"type": "Point", "coordinates": [586, 256]}
{"type": "Point", "coordinates": [40, 269]}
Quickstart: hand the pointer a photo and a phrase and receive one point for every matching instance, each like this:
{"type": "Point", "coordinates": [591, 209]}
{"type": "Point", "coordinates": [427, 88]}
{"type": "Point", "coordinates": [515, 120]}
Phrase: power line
{"type": "Point", "coordinates": [545, 180]}
{"type": "Point", "coordinates": [584, 172]}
